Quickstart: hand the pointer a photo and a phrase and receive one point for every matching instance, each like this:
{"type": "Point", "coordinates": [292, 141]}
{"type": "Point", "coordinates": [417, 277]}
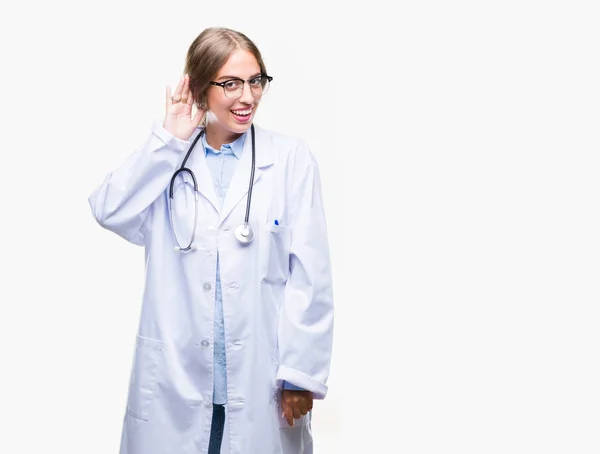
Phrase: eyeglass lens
{"type": "Point", "coordinates": [258, 86]}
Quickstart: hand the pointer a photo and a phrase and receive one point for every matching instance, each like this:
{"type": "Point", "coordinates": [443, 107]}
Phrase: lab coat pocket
{"type": "Point", "coordinates": [147, 361]}
{"type": "Point", "coordinates": [274, 260]}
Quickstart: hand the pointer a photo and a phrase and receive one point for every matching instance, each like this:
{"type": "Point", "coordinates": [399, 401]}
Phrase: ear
{"type": "Point", "coordinates": [202, 104]}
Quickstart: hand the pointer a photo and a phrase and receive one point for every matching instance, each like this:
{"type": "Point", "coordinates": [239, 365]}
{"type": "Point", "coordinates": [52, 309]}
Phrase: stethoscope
{"type": "Point", "coordinates": [243, 233]}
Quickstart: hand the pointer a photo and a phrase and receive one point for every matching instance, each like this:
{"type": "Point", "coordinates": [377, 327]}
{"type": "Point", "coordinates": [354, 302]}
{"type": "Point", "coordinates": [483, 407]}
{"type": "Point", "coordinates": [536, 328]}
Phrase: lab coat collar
{"type": "Point", "coordinates": [236, 146]}
{"type": "Point", "coordinates": [198, 164]}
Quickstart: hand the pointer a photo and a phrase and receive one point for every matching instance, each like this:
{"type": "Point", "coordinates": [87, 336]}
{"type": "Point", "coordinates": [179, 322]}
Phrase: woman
{"type": "Point", "coordinates": [235, 334]}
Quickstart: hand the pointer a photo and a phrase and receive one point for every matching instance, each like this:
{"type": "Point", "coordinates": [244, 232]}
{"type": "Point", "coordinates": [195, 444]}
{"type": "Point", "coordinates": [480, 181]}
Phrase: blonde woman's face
{"type": "Point", "coordinates": [234, 112]}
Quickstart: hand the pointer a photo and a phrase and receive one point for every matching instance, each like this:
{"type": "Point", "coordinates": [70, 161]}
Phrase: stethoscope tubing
{"type": "Point", "coordinates": [247, 234]}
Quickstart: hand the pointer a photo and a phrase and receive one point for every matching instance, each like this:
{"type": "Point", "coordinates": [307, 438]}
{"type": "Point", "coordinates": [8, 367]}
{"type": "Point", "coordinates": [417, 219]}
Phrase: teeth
{"type": "Point", "coordinates": [242, 112]}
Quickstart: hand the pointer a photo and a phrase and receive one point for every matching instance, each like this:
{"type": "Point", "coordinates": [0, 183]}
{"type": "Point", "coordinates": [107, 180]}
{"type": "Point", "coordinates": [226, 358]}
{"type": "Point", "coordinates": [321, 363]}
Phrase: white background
{"type": "Point", "coordinates": [458, 143]}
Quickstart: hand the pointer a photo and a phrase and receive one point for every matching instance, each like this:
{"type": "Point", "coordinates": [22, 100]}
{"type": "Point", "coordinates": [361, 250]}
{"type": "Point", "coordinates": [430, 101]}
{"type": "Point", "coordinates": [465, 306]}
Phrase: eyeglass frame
{"type": "Point", "coordinates": [222, 84]}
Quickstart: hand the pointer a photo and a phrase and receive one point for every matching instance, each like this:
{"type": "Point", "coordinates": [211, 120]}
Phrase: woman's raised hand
{"type": "Point", "coordinates": [178, 117]}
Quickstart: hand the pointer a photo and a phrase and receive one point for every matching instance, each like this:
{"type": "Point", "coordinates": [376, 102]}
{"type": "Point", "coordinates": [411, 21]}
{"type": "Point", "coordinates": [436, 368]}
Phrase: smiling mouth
{"type": "Point", "coordinates": [242, 113]}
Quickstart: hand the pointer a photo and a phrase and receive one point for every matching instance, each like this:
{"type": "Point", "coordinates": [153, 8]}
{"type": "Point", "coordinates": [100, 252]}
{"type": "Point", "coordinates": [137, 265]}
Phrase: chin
{"type": "Point", "coordinates": [240, 128]}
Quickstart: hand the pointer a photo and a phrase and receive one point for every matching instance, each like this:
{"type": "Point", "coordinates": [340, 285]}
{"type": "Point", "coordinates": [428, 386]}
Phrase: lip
{"type": "Point", "coordinates": [243, 118]}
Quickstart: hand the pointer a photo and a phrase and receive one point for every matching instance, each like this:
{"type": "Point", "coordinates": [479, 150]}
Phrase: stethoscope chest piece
{"type": "Point", "coordinates": [244, 233]}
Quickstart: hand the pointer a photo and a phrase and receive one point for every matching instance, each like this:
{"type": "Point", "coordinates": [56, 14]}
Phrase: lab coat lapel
{"type": "Point", "coordinates": [241, 178]}
{"type": "Point", "coordinates": [203, 177]}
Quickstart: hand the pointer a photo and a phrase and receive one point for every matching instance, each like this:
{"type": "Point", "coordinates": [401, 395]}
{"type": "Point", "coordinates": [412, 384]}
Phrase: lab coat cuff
{"type": "Point", "coordinates": [287, 374]}
{"type": "Point", "coordinates": [170, 140]}
{"type": "Point", "coordinates": [291, 387]}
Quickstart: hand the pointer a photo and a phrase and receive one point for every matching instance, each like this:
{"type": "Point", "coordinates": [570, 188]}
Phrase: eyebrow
{"type": "Point", "coordinates": [237, 77]}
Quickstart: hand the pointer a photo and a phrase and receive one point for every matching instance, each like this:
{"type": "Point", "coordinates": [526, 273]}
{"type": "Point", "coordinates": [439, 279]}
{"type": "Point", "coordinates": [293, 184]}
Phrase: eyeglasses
{"type": "Point", "coordinates": [233, 88]}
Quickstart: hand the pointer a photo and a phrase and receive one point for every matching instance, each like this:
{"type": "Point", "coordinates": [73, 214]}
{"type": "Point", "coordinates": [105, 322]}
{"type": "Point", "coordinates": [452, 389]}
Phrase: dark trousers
{"type": "Point", "coordinates": [216, 429]}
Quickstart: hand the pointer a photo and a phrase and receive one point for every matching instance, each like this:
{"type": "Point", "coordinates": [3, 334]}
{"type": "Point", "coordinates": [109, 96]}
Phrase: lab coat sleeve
{"type": "Point", "coordinates": [121, 203]}
{"type": "Point", "coordinates": [306, 320]}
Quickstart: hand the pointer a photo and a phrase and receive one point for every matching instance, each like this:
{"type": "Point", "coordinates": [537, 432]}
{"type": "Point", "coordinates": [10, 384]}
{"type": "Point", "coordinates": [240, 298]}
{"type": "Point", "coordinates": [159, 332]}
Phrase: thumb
{"type": "Point", "coordinates": [288, 414]}
{"type": "Point", "coordinates": [197, 117]}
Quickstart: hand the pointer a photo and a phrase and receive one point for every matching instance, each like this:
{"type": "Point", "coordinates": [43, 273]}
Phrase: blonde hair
{"type": "Point", "coordinates": [209, 52]}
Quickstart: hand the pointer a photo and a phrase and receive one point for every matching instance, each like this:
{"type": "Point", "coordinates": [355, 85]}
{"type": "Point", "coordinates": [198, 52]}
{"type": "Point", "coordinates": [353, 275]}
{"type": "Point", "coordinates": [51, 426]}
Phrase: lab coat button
{"type": "Point", "coordinates": [234, 285]}
{"type": "Point", "coordinates": [205, 343]}
{"type": "Point", "coordinates": [206, 287]}
{"type": "Point", "coordinates": [237, 343]}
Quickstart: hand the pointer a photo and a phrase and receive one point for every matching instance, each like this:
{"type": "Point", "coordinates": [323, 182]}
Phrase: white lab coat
{"type": "Point", "coordinates": [277, 295]}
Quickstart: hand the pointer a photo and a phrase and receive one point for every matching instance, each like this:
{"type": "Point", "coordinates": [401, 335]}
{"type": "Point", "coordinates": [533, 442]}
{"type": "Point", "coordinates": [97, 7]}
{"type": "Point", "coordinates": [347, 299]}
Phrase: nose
{"type": "Point", "coordinates": [246, 97]}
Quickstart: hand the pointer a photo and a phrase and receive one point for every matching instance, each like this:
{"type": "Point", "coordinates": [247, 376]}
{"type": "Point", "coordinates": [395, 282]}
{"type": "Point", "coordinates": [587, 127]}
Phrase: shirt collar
{"type": "Point", "coordinates": [237, 146]}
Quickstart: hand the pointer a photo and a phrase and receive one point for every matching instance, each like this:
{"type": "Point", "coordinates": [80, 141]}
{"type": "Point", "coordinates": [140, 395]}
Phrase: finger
{"type": "Point", "coordinates": [288, 415]}
{"type": "Point", "coordinates": [178, 90]}
{"type": "Point", "coordinates": [168, 98]}
{"type": "Point", "coordinates": [185, 92]}
{"type": "Point", "coordinates": [198, 117]}
{"type": "Point", "coordinates": [296, 411]}
{"type": "Point", "coordinates": [309, 403]}
{"type": "Point", "coordinates": [302, 406]}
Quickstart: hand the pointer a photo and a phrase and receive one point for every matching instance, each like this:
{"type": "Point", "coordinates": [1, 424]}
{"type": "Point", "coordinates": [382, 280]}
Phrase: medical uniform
{"type": "Point", "coordinates": [273, 297]}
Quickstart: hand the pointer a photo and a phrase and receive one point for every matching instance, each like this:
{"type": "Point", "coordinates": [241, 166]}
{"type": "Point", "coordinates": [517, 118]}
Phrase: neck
{"type": "Point", "coordinates": [216, 137]}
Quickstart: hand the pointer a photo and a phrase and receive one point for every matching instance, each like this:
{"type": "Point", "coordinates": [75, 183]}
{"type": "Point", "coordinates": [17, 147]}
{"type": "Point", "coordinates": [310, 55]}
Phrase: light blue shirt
{"type": "Point", "coordinates": [222, 164]}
